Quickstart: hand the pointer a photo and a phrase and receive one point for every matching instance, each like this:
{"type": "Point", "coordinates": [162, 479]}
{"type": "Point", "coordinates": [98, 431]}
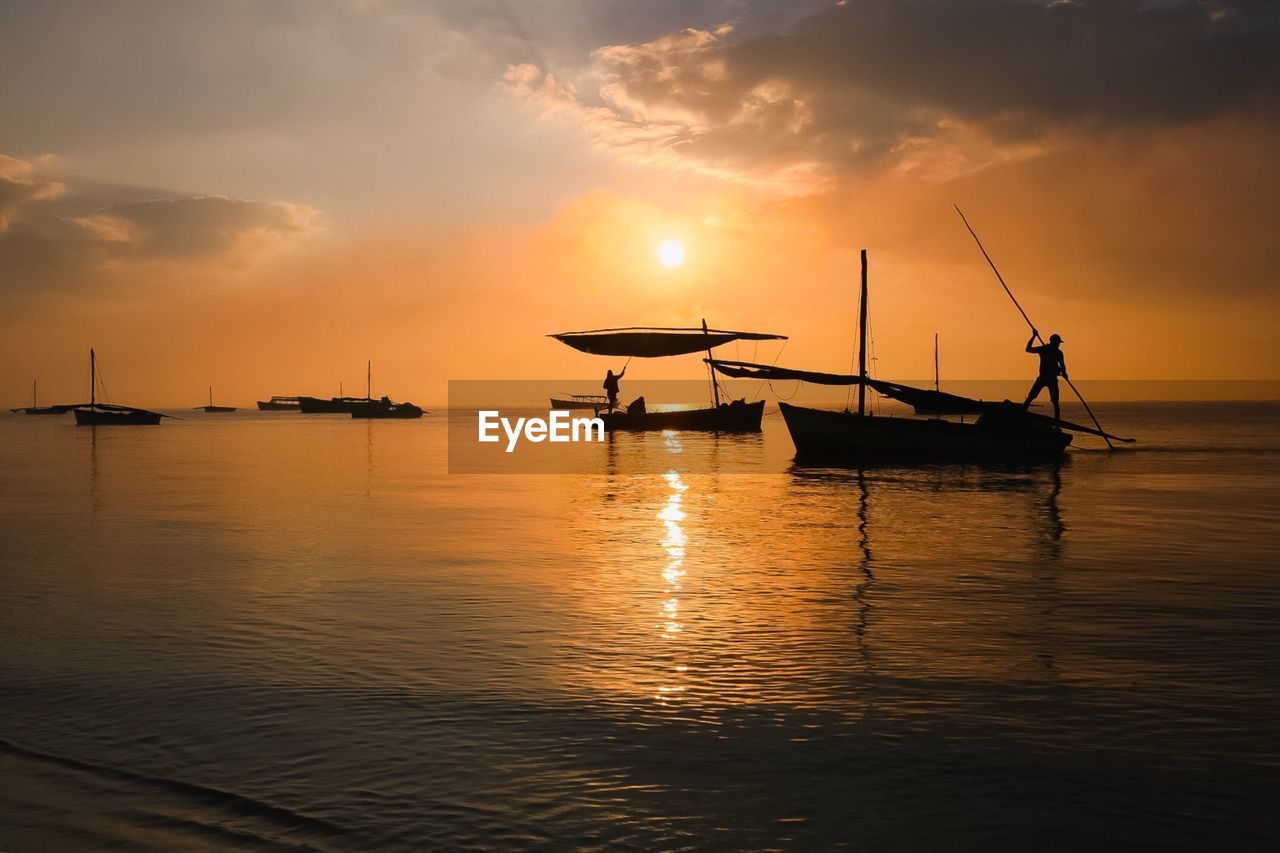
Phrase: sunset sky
{"type": "Point", "coordinates": [261, 196]}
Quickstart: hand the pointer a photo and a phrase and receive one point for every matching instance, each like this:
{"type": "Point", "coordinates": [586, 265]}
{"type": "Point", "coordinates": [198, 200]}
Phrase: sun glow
{"type": "Point", "coordinates": [671, 253]}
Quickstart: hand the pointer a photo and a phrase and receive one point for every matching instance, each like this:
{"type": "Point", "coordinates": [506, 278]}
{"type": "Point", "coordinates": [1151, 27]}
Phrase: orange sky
{"type": "Point", "coordinates": [512, 181]}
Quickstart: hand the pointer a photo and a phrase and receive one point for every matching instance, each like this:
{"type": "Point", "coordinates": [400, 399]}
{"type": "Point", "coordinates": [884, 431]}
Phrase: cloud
{"type": "Point", "coordinates": [19, 186]}
{"type": "Point", "coordinates": [935, 86]}
{"type": "Point", "coordinates": [49, 244]}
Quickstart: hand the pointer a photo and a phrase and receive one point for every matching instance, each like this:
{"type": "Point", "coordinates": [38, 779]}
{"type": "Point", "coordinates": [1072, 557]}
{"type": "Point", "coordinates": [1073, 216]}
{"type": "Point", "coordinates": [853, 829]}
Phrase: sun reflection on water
{"type": "Point", "coordinates": [674, 543]}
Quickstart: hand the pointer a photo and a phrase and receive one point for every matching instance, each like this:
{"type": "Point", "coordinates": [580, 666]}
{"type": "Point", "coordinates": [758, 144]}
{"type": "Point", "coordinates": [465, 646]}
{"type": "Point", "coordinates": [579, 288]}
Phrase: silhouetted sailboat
{"type": "Point", "coordinates": [36, 409]}
{"type": "Point", "coordinates": [385, 409]}
{"type": "Point", "coordinates": [661, 342]}
{"type": "Point", "coordinates": [339, 405]}
{"type": "Point", "coordinates": [1003, 431]}
{"type": "Point", "coordinates": [279, 404]}
{"type": "Point", "coordinates": [211, 408]}
{"type": "Point", "coordinates": [595, 402]}
{"type": "Point", "coordinates": [105, 414]}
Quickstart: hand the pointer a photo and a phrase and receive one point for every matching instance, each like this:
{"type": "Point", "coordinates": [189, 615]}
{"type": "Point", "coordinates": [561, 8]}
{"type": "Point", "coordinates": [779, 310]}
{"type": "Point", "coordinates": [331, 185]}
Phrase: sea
{"type": "Point", "coordinates": [267, 631]}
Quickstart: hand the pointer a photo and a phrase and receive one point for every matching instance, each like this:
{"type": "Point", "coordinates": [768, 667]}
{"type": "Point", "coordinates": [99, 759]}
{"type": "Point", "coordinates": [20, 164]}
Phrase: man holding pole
{"type": "Point", "coordinates": [611, 385]}
{"type": "Point", "coordinates": [1052, 365]}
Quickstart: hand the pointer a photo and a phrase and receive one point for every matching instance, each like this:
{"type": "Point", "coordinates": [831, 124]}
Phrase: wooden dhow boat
{"type": "Point", "coordinates": [36, 409]}
{"type": "Point", "coordinates": [339, 405]}
{"type": "Point", "coordinates": [594, 402]}
{"type": "Point", "coordinates": [106, 414]}
{"type": "Point", "coordinates": [279, 404]}
{"type": "Point", "coordinates": [385, 409]}
{"type": "Point", "coordinates": [663, 342]}
{"type": "Point", "coordinates": [212, 409]}
{"type": "Point", "coordinates": [1003, 432]}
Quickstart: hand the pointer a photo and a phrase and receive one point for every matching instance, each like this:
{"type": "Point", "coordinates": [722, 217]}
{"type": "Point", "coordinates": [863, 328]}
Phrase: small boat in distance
{"type": "Point", "coordinates": [328, 406]}
{"type": "Point", "coordinates": [105, 414]}
{"type": "Point", "coordinates": [595, 402]}
{"type": "Point", "coordinates": [339, 405]}
{"type": "Point", "coordinates": [660, 342]}
{"type": "Point", "coordinates": [211, 408]}
{"type": "Point", "coordinates": [384, 408]}
{"type": "Point", "coordinates": [279, 404]}
{"type": "Point", "coordinates": [36, 409]}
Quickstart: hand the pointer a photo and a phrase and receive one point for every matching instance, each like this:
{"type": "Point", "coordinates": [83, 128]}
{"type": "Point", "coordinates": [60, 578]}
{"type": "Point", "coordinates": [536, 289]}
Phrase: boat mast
{"type": "Point", "coordinates": [368, 380]}
{"type": "Point", "coordinates": [936, 385]}
{"type": "Point", "coordinates": [93, 378]}
{"type": "Point", "coordinates": [862, 340]}
{"type": "Point", "coordinates": [33, 394]}
{"type": "Point", "coordinates": [210, 395]}
{"type": "Point", "coordinates": [715, 386]}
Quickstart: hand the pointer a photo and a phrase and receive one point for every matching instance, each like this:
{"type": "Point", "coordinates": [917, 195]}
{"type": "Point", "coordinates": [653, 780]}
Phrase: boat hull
{"type": "Point", "coordinates": [558, 403]}
{"type": "Point", "coordinates": [822, 436]}
{"type": "Point", "coordinates": [330, 406]}
{"type": "Point", "coordinates": [728, 417]}
{"type": "Point", "coordinates": [98, 417]}
{"type": "Point", "coordinates": [40, 410]}
{"type": "Point", "coordinates": [385, 411]}
{"type": "Point", "coordinates": [269, 406]}
{"type": "Point", "coordinates": [217, 409]}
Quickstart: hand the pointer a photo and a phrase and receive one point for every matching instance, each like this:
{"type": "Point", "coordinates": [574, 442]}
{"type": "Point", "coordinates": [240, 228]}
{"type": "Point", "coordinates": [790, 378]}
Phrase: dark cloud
{"type": "Point", "coordinates": [50, 241]}
{"type": "Point", "coordinates": [1107, 60]}
{"type": "Point", "coordinates": [883, 80]}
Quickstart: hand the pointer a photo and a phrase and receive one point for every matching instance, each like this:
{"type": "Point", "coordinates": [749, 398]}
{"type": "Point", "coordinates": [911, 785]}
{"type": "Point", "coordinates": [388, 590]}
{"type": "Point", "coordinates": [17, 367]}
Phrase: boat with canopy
{"type": "Point", "coordinates": [106, 414]}
{"type": "Point", "coordinates": [663, 342]}
{"type": "Point", "coordinates": [1002, 432]}
{"type": "Point", "coordinates": [279, 404]}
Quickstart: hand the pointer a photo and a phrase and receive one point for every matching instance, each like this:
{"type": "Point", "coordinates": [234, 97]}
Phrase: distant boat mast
{"type": "Point", "coordinates": [936, 384]}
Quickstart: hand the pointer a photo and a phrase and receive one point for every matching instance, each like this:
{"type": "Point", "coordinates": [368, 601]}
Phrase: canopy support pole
{"type": "Point", "coordinates": [1000, 278]}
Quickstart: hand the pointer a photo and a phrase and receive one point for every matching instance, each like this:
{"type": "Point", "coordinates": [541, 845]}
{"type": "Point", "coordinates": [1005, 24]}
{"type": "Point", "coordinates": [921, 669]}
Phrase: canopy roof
{"type": "Point", "coordinates": [655, 341]}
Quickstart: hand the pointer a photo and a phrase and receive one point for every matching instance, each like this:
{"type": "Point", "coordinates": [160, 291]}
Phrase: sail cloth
{"type": "Point", "coordinates": [895, 390]}
{"type": "Point", "coordinates": [750, 370]}
{"type": "Point", "coordinates": [655, 342]}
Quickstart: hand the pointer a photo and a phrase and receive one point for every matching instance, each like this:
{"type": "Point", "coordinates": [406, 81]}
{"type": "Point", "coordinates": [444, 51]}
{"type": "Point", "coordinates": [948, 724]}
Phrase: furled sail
{"type": "Point", "coordinates": [929, 402]}
{"type": "Point", "coordinates": [655, 342]}
{"type": "Point", "coordinates": [921, 398]}
{"type": "Point", "coordinates": [750, 370]}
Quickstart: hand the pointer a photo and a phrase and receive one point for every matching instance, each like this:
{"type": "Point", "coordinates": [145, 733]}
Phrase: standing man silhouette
{"type": "Point", "coordinates": [1052, 365]}
{"type": "Point", "coordinates": [611, 386]}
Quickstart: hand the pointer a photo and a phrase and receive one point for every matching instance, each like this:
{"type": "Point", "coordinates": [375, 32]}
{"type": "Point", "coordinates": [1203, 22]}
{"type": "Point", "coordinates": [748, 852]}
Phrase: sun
{"type": "Point", "coordinates": [671, 253]}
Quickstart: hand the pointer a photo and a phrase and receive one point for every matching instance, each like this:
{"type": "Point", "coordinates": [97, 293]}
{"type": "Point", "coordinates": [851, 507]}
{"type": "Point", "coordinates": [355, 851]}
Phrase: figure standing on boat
{"type": "Point", "coordinates": [611, 386]}
{"type": "Point", "coordinates": [1052, 365]}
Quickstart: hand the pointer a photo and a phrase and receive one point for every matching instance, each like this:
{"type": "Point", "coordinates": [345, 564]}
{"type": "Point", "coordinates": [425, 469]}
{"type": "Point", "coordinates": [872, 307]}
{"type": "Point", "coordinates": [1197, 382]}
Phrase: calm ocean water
{"type": "Point", "coordinates": [272, 632]}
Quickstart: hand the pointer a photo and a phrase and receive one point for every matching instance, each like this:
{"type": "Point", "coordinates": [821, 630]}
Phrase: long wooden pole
{"type": "Point", "coordinates": [93, 378]}
{"type": "Point", "coordinates": [1000, 278]}
{"type": "Point", "coordinates": [862, 340]}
